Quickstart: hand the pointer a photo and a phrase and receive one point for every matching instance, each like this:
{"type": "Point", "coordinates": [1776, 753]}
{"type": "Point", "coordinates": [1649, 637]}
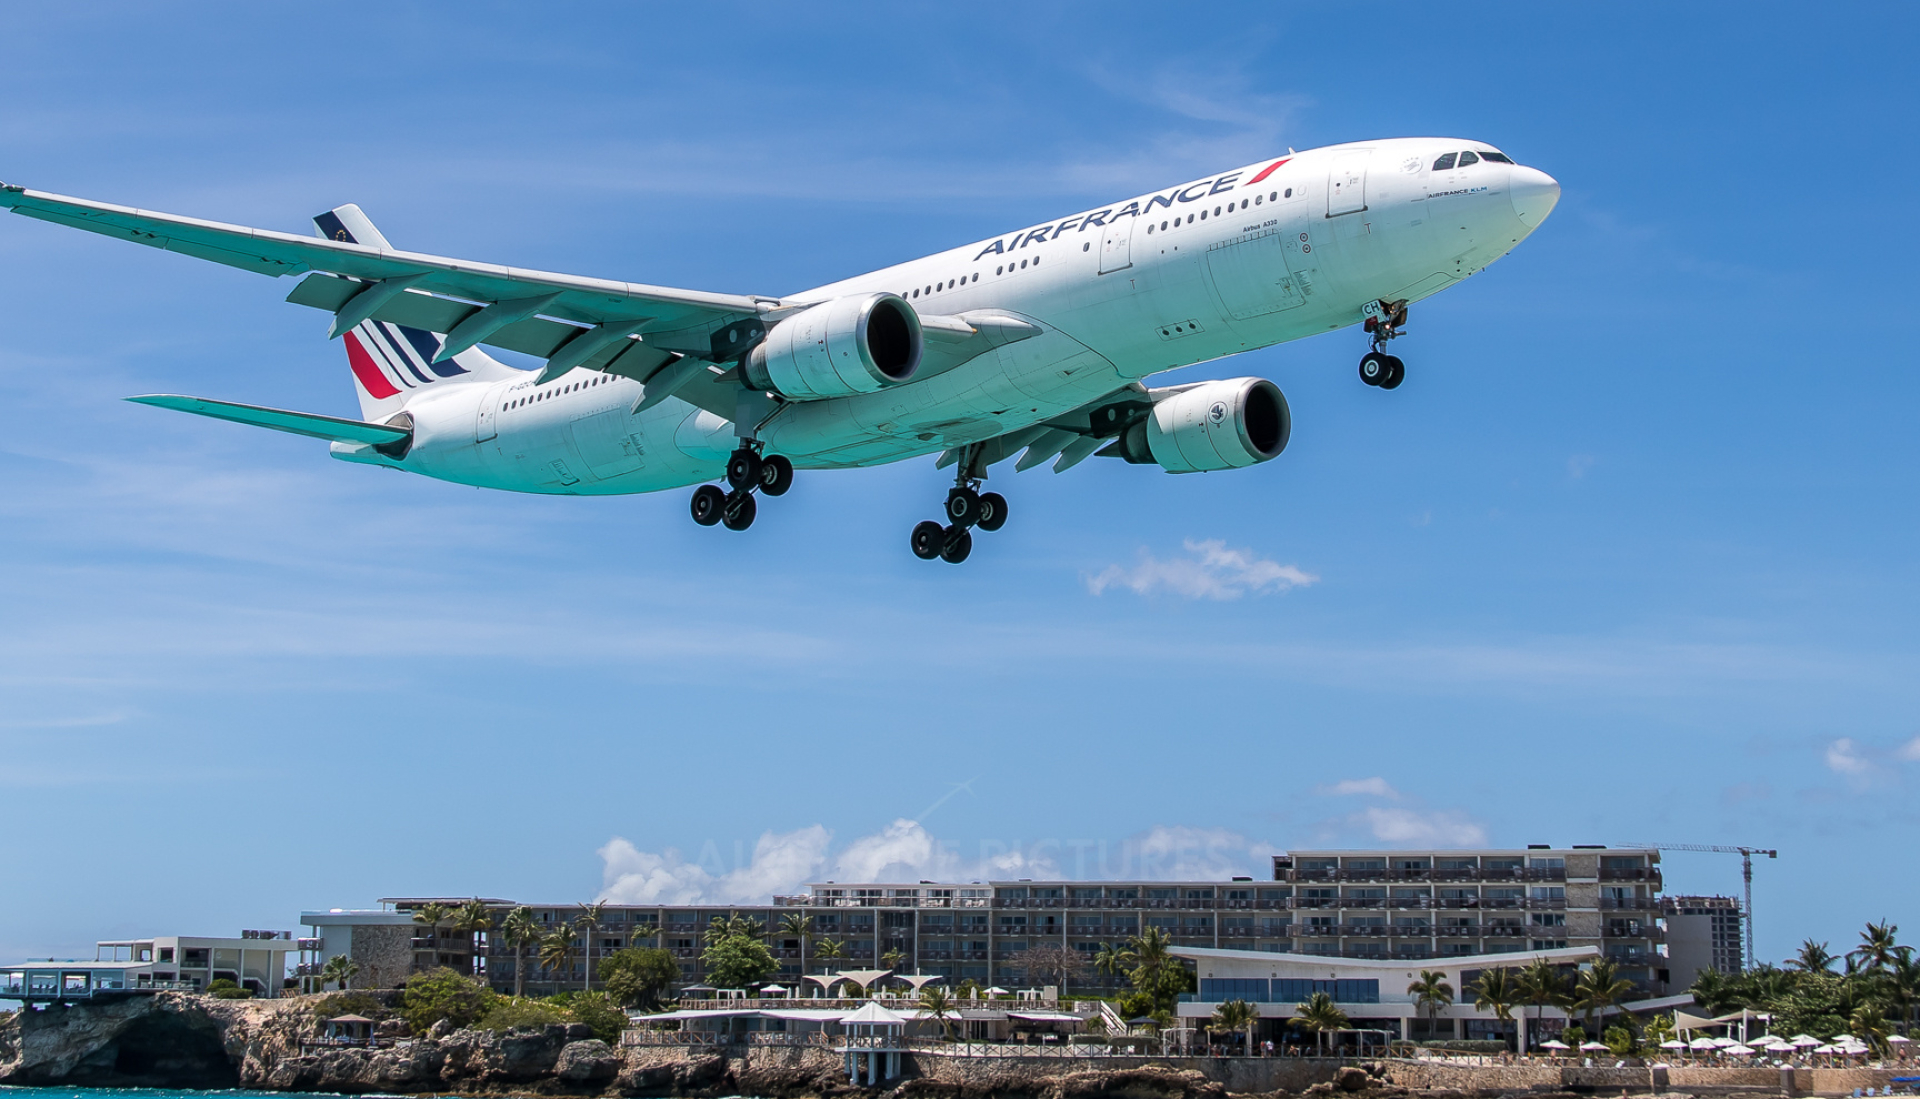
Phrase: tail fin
{"type": "Point", "coordinates": [393, 363]}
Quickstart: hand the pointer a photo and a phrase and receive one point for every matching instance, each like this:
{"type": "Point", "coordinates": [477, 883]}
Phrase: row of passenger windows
{"type": "Point", "coordinates": [1229, 208]}
{"type": "Point", "coordinates": [964, 280]}
{"type": "Point", "coordinates": [597, 379]}
{"type": "Point", "coordinates": [1469, 157]}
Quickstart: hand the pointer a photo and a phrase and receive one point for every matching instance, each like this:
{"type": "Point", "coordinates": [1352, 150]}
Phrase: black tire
{"type": "Point", "coordinates": [708, 503]}
{"type": "Point", "coordinates": [963, 507]}
{"type": "Point", "coordinates": [1396, 373]}
{"type": "Point", "coordinates": [743, 469]}
{"type": "Point", "coordinates": [928, 539]}
{"type": "Point", "coordinates": [993, 512]}
{"type": "Point", "coordinates": [959, 543]}
{"type": "Point", "coordinates": [776, 475]}
{"type": "Point", "coordinates": [739, 512]}
{"type": "Point", "coordinates": [1373, 367]}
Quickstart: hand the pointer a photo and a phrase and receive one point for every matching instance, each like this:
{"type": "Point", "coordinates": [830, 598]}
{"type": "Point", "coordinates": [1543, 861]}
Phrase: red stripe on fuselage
{"type": "Point", "coordinates": [371, 379]}
{"type": "Point", "coordinates": [1268, 170]}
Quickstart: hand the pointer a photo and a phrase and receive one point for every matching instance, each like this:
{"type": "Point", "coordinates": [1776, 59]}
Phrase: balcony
{"type": "Point", "coordinates": [1646, 874]}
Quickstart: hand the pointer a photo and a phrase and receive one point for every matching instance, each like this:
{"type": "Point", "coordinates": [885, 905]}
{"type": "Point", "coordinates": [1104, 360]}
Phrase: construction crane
{"type": "Point", "coordinates": [1746, 874]}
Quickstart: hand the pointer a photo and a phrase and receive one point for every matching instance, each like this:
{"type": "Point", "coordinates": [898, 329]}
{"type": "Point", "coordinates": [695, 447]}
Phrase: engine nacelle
{"type": "Point", "coordinates": [838, 348]}
{"type": "Point", "coordinates": [1212, 426]}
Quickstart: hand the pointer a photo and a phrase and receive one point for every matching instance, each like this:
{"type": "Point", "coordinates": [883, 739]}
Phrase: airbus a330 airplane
{"type": "Point", "coordinates": [1032, 343]}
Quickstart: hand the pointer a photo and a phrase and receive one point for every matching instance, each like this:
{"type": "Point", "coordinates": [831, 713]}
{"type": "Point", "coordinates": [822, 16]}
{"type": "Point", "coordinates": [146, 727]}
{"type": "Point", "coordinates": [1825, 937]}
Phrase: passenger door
{"type": "Point", "coordinates": [1116, 245]}
{"type": "Point", "coordinates": [1347, 183]}
{"type": "Point", "coordinates": [1250, 275]}
{"type": "Point", "coordinates": [484, 428]}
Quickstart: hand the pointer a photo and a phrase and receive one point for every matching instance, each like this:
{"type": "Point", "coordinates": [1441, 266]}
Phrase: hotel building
{"type": "Point", "coordinates": [1397, 906]}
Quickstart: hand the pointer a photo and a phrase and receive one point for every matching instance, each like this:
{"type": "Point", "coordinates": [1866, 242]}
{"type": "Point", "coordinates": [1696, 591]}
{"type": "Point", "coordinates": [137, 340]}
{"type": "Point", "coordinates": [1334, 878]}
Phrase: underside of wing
{"type": "Point", "coordinates": [331, 428]}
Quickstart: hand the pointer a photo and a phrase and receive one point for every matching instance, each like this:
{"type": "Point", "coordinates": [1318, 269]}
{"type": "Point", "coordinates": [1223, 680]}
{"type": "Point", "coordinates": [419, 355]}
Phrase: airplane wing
{"type": "Point", "coordinates": [310, 424]}
{"type": "Point", "coordinates": [1068, 439]}
{"type": "Point", "coordinates": [504, 306]}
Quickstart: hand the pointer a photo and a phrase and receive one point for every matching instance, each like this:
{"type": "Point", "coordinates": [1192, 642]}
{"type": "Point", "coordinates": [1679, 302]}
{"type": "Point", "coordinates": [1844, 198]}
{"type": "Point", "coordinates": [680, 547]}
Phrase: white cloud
{"type": "Point", "coordinates": [1209, 571]}
{"type": "Point", "coordinates": [780, 862]}
{"type": "Point", "coordinates": [1910, 751]}
{"type": "Point", "coordinates": [1578, 465]}
{"type": "Point", "coordinates": [1416, 828]}
{"type": "Point", "coordinates": [1371, 787]}
{"type": "Point", "coordinates": [1843, 757]}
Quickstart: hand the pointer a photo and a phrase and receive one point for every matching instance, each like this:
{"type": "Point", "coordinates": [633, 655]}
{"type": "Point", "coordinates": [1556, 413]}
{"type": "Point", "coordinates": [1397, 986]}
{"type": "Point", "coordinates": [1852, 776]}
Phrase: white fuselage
{"type": "Point", "coordinates": [1242, 260]}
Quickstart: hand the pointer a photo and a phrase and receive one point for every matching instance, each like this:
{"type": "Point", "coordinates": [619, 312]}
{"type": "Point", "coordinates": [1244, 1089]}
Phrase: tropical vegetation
{"type": "Point", "coordinates": [639, 977]}
{"type": "Point", "coordinates": [1873, 993]}
{"type": "Point", "coordinates": [1319, 1014]}
{"type": "Point", "coordinates": [1237, 1016]}
{"type": "Point", "coordinates": [1157, 976]}
{"type": "Point", "coordinates": [735, 955]}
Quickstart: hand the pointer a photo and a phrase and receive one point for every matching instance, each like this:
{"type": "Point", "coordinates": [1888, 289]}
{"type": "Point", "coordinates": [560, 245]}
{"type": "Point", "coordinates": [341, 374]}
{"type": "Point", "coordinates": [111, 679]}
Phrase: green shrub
{"type": "Point", "coordinates": [224, 989]}
{"type": "Point", "coordinates": [1574, 1035]}
{"type": "Point", "coordinates": [351, 1003]}
{"type": "Point", "coordinates": [597, 1010]}
{"type": "Point", "coordinates": [639, 976]}
{"type": "Point", "coordinates": [443, 994]}
{"type": "Point", "coordinates": [509, 1012]}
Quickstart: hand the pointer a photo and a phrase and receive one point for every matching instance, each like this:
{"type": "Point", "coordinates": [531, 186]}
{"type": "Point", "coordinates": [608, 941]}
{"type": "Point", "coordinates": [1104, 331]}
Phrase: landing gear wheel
{"type": "Point", "coordinates": [963, 507]}
{"type": "Point", "coordinates": [743, 469]}
{"type": "Point", "coordinates": [738, 513]}
{"type": "Point", "coordinates": [1373, 367]}
{"type": "Point", "coordinates": [708, 503]}
{"type": "Point", "coordinates": [928, 539]}
{"type": "Point", "coordinates": [1396, 373]}
{"type": "Point", "coordinates": [959, 543]}
{"type": "Point", "coordinates": [776, 475]}
{"type": "Point", "coordinates": [993, 512]}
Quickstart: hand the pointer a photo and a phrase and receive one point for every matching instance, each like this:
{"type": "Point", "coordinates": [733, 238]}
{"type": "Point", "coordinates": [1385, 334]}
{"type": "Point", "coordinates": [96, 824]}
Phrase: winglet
{"type": "Point", "coordinates": [14, 188]}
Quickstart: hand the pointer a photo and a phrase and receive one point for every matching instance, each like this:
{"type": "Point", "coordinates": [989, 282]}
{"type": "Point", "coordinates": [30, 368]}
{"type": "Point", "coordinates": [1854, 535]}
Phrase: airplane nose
{"type": "Point", "coordinates": [1533, 194]}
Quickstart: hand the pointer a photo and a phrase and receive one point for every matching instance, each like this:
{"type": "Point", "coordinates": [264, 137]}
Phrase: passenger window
{"type": "Point", "coordinates": [1445, 163]}
{"type": "Point", "coordinates": [1256, 200]}
{"type": "Point", "coordinates": [1497, 158]}
{"type": "Point", "coordinates": [1275, 195]}
{"type": "Point", "coordinates": [1467, 158]}
{"type": "Point", "coordinates": [1149, 230]}
{"type": "Point", "coordinates": [998, 270]}
{"type": "Point", "coordinates": [1086, 247]}
{"type": "Point", "coordinates": [1023, 265]}
{"type": "Point", "coordinates": [1216, 211]}
{"type": "Point", "coordinates": [1163, 225]}
{"type": "Point", "coordinates": [1289, 192]}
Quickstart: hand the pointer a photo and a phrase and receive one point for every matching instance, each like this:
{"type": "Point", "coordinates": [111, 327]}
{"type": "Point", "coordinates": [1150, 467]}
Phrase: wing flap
{"type": "Point", "coordinates": [310, 424]}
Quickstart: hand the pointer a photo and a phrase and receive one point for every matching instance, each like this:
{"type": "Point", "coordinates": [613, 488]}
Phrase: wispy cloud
{"type": "Point", "coordinates": [1210, 570]}
{"type": "Point", "coordinates": [1910, 751]}
{"type": "Point", "coordinates": [1422, 828]}
{"type": "Point", "coordinates": [1375, 787]}
{"type": "Point", "coordinates": [1843, 757]}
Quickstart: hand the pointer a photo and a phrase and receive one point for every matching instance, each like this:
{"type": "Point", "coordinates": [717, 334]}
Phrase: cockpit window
{"type": "Point", "coordinates": [1467, 158]}
{"type": "Point", "coordinates": [1497, 158]}
{"type": "Point", "coordinates": [1444, 163]}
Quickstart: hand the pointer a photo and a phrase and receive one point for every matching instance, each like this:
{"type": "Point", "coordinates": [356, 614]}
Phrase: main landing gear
{"type": "Point", "coordinates": [747, 471]}
{"type": "Point", "coordinates": [1384, 321]}
{"type": "Point", "coordinates": [967, 507]}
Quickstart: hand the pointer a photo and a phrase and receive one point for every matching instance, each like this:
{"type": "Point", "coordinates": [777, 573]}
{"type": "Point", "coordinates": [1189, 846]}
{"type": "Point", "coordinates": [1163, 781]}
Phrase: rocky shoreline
{"type": "Point", "coordinates": [178, 1040]}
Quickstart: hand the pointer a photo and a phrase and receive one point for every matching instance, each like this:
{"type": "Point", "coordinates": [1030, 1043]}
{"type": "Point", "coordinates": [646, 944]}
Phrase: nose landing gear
{"type": "Point", "coordinates": [747, 471]}
{"type": "Point", "coordinates": [1383, 324]}
{"type": "Point", "coordinates": [967, 507]}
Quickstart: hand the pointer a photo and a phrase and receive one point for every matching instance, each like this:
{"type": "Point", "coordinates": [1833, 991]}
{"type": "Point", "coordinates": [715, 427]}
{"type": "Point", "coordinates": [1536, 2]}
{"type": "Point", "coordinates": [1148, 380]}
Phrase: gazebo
{"type": "Point", "coordinates": [350, 1029]}
{"type": "Point", "coordinates": [877, 1034]}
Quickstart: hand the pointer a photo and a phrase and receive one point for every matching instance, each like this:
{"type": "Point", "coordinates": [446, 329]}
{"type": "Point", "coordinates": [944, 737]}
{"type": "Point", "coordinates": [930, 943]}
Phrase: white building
{"type": "Point", "coordinates": [1373, 992]}
{"type": "Point", "coordinates": [255, 960]}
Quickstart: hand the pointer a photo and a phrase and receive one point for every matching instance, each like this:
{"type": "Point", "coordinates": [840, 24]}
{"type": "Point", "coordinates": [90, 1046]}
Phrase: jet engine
{"type": "Point", "coordinates": [1210, 426]}
{"type": "Point", "coordinates": [838, 348]}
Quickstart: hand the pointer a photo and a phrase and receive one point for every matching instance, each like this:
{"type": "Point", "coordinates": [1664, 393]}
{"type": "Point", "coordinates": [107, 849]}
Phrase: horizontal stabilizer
{"type": "Point", "coordinates": [331, 428]}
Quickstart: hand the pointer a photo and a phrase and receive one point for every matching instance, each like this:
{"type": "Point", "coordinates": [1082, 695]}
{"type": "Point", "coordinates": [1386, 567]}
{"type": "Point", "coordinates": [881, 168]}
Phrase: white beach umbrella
{"type": "Point", "coordinates": [1702, 1044]}
{"type": "Point", "coordinates": [1760, 1041]}
{"type": "Point", "coordinates": [1898, 1039]}
{"type": "Point", "coordinates": [1554, 1043]}
{"type": "Point", "coordinates": [1673, 1043]}
{"type": "Point", "coordinates": [1804, 1040]}
{"type": "Point", "coordinates": [1844, 1039]}
{"type": "Point", "coordinates": [1724, 1043]}
{"type": "Point", "coordinates": [1594, 1047]}
{"type": "Point", "coordinates": [1738, 1051]}
{"type": "Point", "coordinates": [1826, 1049]}
{"type": "Point", "coordinates": [1780, 1047]}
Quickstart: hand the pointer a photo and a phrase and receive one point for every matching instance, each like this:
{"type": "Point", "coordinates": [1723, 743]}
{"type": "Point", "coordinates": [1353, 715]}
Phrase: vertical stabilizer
{"type": "Point", "coordinates": [392, 363]}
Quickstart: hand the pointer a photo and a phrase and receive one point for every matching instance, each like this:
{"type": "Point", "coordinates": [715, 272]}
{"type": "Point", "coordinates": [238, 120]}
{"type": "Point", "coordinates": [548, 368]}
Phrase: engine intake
{"type": "Point", "coordinates": [838, 348]}
{"type": "Point", "coordinates": [1211, 426]}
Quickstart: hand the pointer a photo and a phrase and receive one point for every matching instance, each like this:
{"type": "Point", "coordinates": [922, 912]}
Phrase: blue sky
{"type": "Point", "coordinates": [1629, 557]}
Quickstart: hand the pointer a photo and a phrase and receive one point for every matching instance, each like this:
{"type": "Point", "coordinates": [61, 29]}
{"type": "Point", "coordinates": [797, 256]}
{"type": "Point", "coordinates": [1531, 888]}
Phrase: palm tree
{"type": "Point", "coordinates": [1497, 991]}
{"type": "Point", "coordinates": [556, 952]}
{"type": "Point", "coordinates": [1320, 1014]}
{"type": "Point", "coordinates": [1870, 1026]}
{"type": "Point", "coordinates": [432, 914]}
{"type": "Point", "coordinates": [830, 950]}
{"type": "Point", "coordinates": [938, 1003]}
{"type": "Point", "coordinates": [798, 925]}
{"type": "Point", "coordinates": [1237, 1015]}
{"type": "Point", "coordinates": [588, 921]}
{"type": "Point", "coordinates": [1109, 959]}
{"type": "Point", "coordinates": [1877, 948]}
{"type": "Point", "coordinates": [472, 919]}
{"type": "Point", "coordinates": [1813, 958]}
{"type": "Point", "coordinates": [1599, 988]}
{"type": "Point", "coordinates": [340, 970]}
{"type": "Point", "coordinates": [1541, 984]}
{"type": "Point", "coordinates": [892, 958]}
{"type": "Point", "coordinates": [1149, 955]}
{"type": "Point", "coordinates": [1902, 982]}
{"type": "Point", "coordinates": [1433, 994]}
{"type": "Point", "coordinates": [520, 931]}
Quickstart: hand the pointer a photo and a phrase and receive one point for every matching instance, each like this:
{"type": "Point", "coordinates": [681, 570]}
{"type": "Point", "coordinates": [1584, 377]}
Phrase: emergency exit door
{"type": "Point", "coordinates": [1116, 245]}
